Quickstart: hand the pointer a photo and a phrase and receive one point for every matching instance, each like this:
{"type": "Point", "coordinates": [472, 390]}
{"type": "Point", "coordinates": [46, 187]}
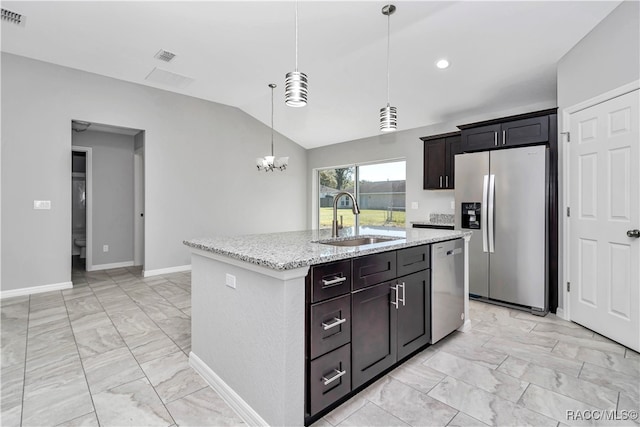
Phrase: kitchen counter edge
{"type": "Point", "coordinates": [291, 250]}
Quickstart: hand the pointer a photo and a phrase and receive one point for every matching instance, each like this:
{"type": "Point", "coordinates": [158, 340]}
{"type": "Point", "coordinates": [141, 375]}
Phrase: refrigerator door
{"type": "Point", "coordinates": [470, 170]}
{"type": "Point", "coordinates": [517, 273]}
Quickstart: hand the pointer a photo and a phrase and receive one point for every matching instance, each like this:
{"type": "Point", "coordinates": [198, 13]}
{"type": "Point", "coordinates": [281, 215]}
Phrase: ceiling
{"type": "Point", "coordinates": [503, 54]}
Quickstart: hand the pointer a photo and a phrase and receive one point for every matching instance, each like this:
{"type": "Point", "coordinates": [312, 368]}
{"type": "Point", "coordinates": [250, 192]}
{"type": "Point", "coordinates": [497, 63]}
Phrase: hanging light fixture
{"type": "Point", "coordinates": [295, 83]}
{"type": "Point", "coordinates": [388, 114]}
{"type": "Point", "coordinates": [270, 163]}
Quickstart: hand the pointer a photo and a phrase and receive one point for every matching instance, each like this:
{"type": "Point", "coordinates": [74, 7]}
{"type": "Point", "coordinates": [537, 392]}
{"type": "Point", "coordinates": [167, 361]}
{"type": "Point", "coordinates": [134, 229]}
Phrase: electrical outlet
{"type": "Point", "coordinates": [414, 205]}
{"type": "Point", "coordinates": [42, 204]}
{"type": "Point", "coordinates": [105, 248]}
{"type": "Point", "coordinates": [230, 281]}
{"type": "Point", "coordinates": [453, 205]}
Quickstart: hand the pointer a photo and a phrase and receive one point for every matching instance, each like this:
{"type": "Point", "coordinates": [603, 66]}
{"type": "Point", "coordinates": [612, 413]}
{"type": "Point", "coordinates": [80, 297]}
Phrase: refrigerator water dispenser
{"type": "Point", "coordinates": [470, 217]}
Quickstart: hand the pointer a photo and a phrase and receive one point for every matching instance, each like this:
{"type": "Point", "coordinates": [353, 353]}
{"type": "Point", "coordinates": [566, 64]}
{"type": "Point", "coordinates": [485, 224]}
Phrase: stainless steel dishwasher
{"type": "Point", "coordinates": [447, 288]}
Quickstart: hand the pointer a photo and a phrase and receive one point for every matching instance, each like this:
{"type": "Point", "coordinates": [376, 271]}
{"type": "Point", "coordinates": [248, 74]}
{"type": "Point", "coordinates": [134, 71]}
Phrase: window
{"type": "Point", "coordinates": [380, 192]}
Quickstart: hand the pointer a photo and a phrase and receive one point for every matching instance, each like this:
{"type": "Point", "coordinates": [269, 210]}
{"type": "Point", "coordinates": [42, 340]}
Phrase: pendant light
{"type": "Point", "coordinates": [295, 83]}
{"type": "Point", "coordinates": [388, 114]}
{"type": "Point", "coordinates": [270, 163]}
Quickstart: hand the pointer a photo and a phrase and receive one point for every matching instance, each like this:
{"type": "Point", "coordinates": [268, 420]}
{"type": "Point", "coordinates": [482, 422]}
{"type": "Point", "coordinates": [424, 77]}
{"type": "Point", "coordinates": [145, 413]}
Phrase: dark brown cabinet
{"type": "Point", "coordinates": [439, 160]}
{"type": "Point", "coordinates": [374, 330]}
{"type": "Point", "coordinates": [414, 316]}
{"type": "Point", "coordinates": [364, 315]}
{"type": "Point", "coordinates": [526, 131]}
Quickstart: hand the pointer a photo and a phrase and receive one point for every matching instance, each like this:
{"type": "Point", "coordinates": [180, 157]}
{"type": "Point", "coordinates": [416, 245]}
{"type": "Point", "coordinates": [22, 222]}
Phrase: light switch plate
{"type": "Point", "coordinates": [453, 204]}
{"type": "Point", "coordinates": [414, 205]}
{"type": "Point", "coordinates": [230, 281]}
{"type": "Point", "coordinates": [42, 204]}
{"type": "Point", "coordinates": [105, 248]}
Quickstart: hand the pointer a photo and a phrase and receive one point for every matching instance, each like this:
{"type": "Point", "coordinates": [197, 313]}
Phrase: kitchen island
{"type": "Point", "coordinates": [249, 296]}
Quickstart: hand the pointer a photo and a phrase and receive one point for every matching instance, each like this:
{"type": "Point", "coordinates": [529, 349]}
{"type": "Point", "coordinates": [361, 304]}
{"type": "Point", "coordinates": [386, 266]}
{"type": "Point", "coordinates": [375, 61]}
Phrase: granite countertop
{"type": "Point", "coordinates": [294, 249]}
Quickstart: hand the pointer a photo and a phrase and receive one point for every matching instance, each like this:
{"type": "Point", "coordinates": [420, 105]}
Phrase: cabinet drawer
{"type": "Point", "coordinates": [329, 378]}
{"type": "Point", "coordinates": [372, 269]}
{"type": "Point", "coordinates": [330, 325]}
{"type": "Point", "coordinates": [413, 259]}
{"type": "Point", "coordinates": [330, 280]}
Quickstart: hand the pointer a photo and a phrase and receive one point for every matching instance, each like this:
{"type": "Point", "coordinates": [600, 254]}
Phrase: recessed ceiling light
{"type": "Point", "coordinates": [442, 64]}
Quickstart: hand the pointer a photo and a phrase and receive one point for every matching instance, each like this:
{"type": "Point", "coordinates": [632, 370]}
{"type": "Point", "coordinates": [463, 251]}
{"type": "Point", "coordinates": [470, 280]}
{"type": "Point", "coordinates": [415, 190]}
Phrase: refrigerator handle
{"type": "Point", "coordinates": [483, 213]}
{"type": "Point", "coordinates": [490, 220]}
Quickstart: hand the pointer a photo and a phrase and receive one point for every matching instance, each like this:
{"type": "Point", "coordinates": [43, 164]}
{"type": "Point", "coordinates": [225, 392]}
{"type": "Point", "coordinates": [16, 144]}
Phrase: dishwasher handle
{"type": "Point", "coordinates": [455, 251]}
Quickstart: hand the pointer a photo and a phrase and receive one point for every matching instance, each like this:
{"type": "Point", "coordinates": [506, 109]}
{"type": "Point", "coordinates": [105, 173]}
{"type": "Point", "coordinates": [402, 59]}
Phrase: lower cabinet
{"type": "Point", "coordinates": [375, 320]}
{"type": "Point", "coordinates": [389, 322]}
{"type": "Point", "coordinates": [374, 327]}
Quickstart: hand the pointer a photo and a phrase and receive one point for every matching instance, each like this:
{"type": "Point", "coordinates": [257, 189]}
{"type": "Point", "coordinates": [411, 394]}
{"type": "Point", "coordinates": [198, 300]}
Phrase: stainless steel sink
{"type": "Point", "coordinates": [359, 241]}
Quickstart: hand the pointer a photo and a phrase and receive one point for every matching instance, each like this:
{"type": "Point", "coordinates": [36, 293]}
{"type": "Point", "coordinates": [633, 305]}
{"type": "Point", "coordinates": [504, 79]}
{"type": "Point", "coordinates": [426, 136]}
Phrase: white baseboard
{"type": "Point", "coordinates": [560, 313]}
{"type": "Point", "coordinates": [35, 290]}
{"type": "Point", "coordinates": [242, 408]}
{"type": "Point", "coordinates": [169, 270]}
{"type": "Point", "coordinates": [110, 266]}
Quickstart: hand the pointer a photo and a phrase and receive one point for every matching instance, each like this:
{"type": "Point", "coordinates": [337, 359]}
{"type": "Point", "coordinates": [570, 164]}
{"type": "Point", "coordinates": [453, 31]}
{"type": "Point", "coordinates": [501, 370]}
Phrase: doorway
{"type": "Point", "coordinates": [113, 196]}
{"type": "Point", "coordinates": [81, 208]}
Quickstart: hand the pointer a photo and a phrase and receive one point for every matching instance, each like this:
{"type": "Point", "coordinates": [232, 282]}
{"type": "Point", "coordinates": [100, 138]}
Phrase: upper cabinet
{"type": "Point", "coordinates": [439, 152]}
{"type": "Point", "coordinates": [526, 130]}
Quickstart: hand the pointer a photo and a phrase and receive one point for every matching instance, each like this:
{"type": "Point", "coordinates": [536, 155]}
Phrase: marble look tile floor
{"type": "Point", "coordinates": [113, 351]}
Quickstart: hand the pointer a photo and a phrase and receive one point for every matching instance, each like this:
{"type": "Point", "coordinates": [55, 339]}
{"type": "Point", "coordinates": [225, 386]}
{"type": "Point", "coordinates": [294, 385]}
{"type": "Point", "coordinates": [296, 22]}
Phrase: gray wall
{"type": "Point", "coordinates": [606, 58]}
{"type": "Point", "coordinates": [404, 144]}
{"type": "Point", "coordinates": [112, 186]}
{"type": "Point", "coordinates": [200, 170]}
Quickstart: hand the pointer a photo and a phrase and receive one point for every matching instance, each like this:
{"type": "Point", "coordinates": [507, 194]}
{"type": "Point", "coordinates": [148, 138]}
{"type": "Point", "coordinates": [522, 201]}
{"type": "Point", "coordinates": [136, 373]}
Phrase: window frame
{"type": "Point", "coordinates": [315, 205]}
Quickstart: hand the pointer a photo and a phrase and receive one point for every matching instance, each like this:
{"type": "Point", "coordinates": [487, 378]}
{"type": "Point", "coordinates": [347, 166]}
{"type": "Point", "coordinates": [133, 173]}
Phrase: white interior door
{"type": "Point", "coordinates": [604, 192]}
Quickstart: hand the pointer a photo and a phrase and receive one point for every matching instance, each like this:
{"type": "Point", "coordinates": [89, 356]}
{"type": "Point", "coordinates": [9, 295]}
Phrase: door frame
{"type": "Point", "coordinates": [566, 176]}
{"type": "Point", "coordinates": [138, 206]}
{"type": "Point", "coordinates": [88, 203]}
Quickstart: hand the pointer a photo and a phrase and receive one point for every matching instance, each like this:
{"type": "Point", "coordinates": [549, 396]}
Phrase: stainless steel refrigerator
{"type": "Point", "coordinates": [501, 196]}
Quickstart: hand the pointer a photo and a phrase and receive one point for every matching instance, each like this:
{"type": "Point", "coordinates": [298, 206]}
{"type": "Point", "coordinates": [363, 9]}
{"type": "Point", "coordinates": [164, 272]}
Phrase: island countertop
{"type": "Point", "coordinates": [294, 249]}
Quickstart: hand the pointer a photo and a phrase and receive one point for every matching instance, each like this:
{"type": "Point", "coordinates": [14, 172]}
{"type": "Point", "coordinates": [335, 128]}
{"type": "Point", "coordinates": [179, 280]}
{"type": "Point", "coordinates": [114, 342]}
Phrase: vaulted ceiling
{"type": "Point", "coordinates": [502, 54]}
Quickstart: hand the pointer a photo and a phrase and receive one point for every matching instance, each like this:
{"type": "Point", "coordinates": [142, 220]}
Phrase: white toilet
{"type": "Point", "coordinates": [82, 244]}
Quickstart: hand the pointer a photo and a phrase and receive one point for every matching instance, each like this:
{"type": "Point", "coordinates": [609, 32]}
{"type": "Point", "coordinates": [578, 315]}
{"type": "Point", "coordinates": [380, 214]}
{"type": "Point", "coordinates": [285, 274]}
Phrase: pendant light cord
{"type": "Point", "coordinates": [388, 48]}
{"type": "Point", "coordinates": [296, 35]}
{"type": "Point", "coordinates": [272, 121]}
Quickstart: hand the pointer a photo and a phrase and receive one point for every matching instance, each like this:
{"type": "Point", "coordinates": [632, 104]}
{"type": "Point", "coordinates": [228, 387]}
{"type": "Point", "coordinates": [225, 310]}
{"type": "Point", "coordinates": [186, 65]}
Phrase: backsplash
{"type": "Point", "coordinates": [438, 218]}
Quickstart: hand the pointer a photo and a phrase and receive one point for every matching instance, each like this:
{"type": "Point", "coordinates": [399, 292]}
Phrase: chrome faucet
{"type": "Point", "coordinates": [334, 225]}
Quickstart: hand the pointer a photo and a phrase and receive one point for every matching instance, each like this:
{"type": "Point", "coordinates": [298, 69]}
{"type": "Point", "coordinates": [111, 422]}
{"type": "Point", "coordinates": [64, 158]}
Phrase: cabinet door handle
{"type": "Point", "coordinates": [504, 137]}
{"type": "Point", "coordinates": [333, 281]}
{"type": "Point", "coordinates": [440, 181]}
{"type": "Point", "coordinates": [404, 290]}
{"type": "Point", "coordinates": [446, 179]}
{"type": "Point", "coordinates": [495, 138]}
{"type": "Point", "coordinates": [395, 303]}
{"type": "Point", "coordinates": [336, 322]}
{"type": "Point", "coordinates": [338, 374]}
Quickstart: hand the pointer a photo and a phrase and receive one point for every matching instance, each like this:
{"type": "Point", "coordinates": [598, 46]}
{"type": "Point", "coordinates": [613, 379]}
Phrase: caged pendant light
{"type": "Point", "coordinates": [270, 163]}
{"type": "Point", "coordinates": [295, 83]}
{"type": "Point", "coordinates": [388, 114]}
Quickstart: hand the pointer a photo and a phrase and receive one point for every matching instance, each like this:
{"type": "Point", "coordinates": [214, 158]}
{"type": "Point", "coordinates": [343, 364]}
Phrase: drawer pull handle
{"type": "Point", "coordinates": [336, 322]}
{"type": "Point", "coordinates": [338, 374]}
{"type": "Point", "coordinates": [334, 281]}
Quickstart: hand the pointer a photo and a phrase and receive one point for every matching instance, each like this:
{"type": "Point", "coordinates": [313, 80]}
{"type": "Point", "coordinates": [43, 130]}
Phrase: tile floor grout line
{"type": "Point", "coordinates": [84, 372]}
{"type": "Point", "coordinates": [134, 358]}
{"type": "Point", "coordinates": [154, 322]}
{"type": "Point", "coordinates": [24, 372]}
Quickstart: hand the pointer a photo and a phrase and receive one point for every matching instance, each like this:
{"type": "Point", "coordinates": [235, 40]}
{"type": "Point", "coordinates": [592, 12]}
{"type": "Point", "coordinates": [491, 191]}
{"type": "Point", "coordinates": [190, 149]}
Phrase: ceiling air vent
{"type": "Point", "coordinates": [12, 17]}
{"type": "Point", "coordinates": [164, 55]}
